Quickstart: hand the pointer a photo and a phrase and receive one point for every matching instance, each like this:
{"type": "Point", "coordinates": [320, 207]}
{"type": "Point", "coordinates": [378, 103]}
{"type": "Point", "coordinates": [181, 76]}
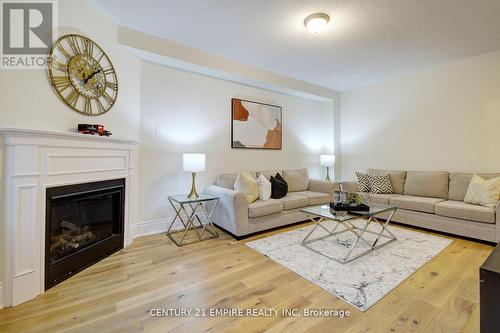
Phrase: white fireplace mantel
{"type": "Point", "coordinates": [32, 161]}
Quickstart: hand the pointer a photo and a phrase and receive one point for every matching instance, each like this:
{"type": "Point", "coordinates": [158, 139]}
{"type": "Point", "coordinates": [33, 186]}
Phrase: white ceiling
{"type": "Point", "coordinates": [366, 41]}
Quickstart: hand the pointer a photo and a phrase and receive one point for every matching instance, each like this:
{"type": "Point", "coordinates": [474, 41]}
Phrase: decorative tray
{"type": "Point", "coordinates": [349, 207]}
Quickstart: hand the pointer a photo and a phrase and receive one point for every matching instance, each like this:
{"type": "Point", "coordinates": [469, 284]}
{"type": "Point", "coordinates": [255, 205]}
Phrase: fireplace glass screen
{"type": "Point", "coordinates": [84, 224]}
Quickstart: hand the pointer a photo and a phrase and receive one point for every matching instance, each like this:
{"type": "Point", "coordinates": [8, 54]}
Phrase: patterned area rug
{"type": "Point", "coordinates": [363, 281]}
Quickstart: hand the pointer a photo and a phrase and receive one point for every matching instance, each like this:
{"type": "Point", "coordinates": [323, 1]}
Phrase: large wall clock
{"type": "Point", "coordinates": [82, 75]}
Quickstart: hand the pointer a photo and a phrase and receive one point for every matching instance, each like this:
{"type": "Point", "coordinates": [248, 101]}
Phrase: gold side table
{"type": "Point", "coordinates": [194, 214]}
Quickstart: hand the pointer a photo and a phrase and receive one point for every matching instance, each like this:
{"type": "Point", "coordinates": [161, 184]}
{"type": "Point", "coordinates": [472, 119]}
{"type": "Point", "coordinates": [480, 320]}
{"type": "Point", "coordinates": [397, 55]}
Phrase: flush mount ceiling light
{"type": "Point", "coordinates": [316, 23]}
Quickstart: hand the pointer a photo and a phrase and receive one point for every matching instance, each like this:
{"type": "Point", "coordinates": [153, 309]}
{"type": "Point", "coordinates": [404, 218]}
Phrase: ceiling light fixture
{"type": "Point", "coordinates": [316, 23]}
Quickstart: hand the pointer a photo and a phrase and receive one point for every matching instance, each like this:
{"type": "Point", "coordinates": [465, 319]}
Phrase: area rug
{"type": "Point", "coordinates": [364, 281]}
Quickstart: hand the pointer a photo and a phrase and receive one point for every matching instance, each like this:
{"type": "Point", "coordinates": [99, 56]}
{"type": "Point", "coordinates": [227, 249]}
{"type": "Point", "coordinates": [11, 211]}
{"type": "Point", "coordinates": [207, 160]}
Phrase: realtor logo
{"type": "Point", "coordinates": [27, 33]}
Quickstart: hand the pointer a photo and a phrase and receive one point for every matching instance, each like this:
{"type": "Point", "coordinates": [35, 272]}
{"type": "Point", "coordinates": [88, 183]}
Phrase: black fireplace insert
{"type": "Point", "coordinates": [84, 224]}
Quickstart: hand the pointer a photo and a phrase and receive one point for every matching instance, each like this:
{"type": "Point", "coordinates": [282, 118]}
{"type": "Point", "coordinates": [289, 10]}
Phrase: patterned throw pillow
{"type": "Point", "coordinates": [483, 192]}
{"type": "Point", "coordinates": [380, 184]}
{"type": "Point", "coordinates": [363, 182]}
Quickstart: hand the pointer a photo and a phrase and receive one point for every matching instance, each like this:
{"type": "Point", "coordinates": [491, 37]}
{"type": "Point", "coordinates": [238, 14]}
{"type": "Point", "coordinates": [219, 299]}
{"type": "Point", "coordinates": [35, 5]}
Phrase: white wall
{"type": "Point", "coordinates": [195, 112]}
{"type": "Point", "coordinates": [441, 118]}
{"type": "Point", "coordinates": [28, 100]}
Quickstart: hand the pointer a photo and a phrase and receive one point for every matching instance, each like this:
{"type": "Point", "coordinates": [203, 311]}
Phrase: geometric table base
{"type": "Point", "coordinates": [358, 232]}
{"type": "Point", "coordinates": [191, 212]}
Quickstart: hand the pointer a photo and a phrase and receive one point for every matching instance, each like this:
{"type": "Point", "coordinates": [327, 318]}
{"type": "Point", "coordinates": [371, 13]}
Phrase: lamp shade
{"type": "Point", "coordinates": [193, 162]}
{"type": "Point", "coordinates": [327, 160]}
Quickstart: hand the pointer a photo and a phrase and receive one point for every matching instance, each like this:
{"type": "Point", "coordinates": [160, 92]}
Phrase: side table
{"type": "Point", "coordinates": [193, 215]}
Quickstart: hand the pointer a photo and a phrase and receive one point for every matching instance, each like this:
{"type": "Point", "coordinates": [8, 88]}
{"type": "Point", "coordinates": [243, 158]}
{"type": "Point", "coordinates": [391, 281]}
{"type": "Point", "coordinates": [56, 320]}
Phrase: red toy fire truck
{"type": "Point", "coordinates": [93, 129]}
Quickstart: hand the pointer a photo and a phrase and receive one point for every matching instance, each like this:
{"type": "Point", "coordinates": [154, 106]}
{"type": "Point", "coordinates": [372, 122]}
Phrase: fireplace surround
{"type": "Point", "coordinates": [32, 163]}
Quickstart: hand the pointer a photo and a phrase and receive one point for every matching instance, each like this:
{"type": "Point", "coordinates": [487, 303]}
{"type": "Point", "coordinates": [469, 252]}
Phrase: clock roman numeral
{"type": "Point", "coordinates": [61, 83]}
{"type": "Point", "coordinates": [88, 47]}
{"type": "Point", "coordinates": [108, 71]}
{"type": "Point", "coordinates": [73, 43]}
{"type": "Point", "coordinates": [72, 98]}
{"type": "Point", "coordinates": [111, 85]}
{"type": "Point", "coordinates": [100, 108]}
{"type": "Point", "coordinates": [87, 106]}
{"type": "Point", "coordinates": [57, 65]}
{"type": "Point", "coordinates": [100, 56]}
{"type": "Point", "coordinates": [63, 50]}
{"type": "Point", "coordinates": [108, 98]}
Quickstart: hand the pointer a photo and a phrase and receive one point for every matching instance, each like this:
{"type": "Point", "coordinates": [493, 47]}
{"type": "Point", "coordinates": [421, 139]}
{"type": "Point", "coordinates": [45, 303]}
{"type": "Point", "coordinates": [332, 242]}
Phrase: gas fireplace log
{"type": "Point", "coordinates": [64, 236]}
{"type": "Point", "coordinates": [70, 226]}
{"type": "Point", "coordinates": [83, 237]}
{"type": "Point", "coordinates": [57, 244]}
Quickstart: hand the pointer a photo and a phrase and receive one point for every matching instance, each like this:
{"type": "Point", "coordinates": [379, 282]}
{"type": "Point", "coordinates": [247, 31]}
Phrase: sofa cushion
{"type": "Point", "coordinates": [419, 204]}
{"type": "Point", "coordinates": [315, 198]}
{"type": "Point", "coordinates": [350, 186]}
{"type": "Point", "coordinates": [398, 178]}
{"type": "Point", "coordinates": [298, 180]}
{"type": "Point", "coordinates": [459, 182]}
{"type": "Point", "coordinates": [227, 179]}
{"type": "Point", "coordinates": [427, 184]}
{"type": "Point", "coordinates": [380, 198]}
{"type": "Point", "coordinates": [465, 211]}
{"type": "Point", "coordinates": [268, 173]}
{"type": "Point", "coordinates": [292, 201]}
{"type": "Point", "coordinates": [261, 208]}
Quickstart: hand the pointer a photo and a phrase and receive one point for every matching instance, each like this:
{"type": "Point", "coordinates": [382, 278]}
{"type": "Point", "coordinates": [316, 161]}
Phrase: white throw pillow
{"type": "Point", "coordinates": [264, 188]}
{"type": "Point", "coordinates": [247, 184]}
{"type": "Point", "coordinates": [484, 192]}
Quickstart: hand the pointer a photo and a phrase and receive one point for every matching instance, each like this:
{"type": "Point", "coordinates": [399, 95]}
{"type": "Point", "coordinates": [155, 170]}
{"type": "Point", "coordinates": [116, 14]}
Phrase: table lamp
{"type": "Point", "coordinates": [327, 161]}
{"type": "Point", "coordinates": [193, 163]}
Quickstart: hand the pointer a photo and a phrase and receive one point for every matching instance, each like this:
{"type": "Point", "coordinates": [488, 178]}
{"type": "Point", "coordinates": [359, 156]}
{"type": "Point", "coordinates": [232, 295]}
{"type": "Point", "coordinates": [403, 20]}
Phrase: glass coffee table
{"type": "Point", "coordinates": [320, 215]}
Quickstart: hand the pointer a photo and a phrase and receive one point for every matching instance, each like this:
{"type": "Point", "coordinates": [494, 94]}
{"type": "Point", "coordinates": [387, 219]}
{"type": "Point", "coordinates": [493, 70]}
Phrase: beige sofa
{"type": "Point", "coordinates": [434, 200]}
{"type": "Point", "coordinates": [236, 216]}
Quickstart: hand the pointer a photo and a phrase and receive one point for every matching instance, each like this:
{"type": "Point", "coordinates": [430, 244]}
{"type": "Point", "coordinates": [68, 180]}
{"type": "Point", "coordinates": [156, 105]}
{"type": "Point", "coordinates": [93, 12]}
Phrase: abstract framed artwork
{"type": "Point", "coordinates": [255, 125]}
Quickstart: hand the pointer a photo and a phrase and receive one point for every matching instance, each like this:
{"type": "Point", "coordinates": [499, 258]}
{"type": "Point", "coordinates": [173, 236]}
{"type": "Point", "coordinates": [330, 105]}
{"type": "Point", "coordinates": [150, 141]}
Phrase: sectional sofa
{"type": "Point", "coordinates": [235, 215]}
{"type": "Point", "coordinates": [435, 200]}
{"type": "Point", "coordinates": [431, 200]}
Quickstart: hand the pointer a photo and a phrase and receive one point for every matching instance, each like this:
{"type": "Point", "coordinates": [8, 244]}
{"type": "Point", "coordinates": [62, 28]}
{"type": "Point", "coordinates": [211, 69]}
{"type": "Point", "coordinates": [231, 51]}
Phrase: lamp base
{"type": "Point", "coordinates": [327, 174]}
{"type": "Point", "coordinates": [193, 194]}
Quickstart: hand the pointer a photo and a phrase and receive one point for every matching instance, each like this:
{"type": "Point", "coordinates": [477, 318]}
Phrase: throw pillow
{"type": "Point", "coordinates": [380, 184]}
{"type": "Point", "coordinates": [245, 183]}
{"type": "Point", "coordinates": [483, 192]}
{"type": "Point", "coordinates": [279, 187]}
{"type": "Point", "coordinates": [281, 179]}
{"type": "Point", "coordinates": [363, 182]}
{"type": "Point", "coordinates": [264, 188]}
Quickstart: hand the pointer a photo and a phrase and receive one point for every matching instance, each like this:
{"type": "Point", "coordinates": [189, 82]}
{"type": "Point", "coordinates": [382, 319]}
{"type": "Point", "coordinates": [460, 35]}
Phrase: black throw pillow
{"type": "Point", "coordinates": [281, 179]}
{"type": "Point", "coordinates": [279, 187]}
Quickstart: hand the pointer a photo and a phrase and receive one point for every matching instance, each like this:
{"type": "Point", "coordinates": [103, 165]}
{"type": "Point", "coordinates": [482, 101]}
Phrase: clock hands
{"type": "Point", "coordinates": [92, 75]}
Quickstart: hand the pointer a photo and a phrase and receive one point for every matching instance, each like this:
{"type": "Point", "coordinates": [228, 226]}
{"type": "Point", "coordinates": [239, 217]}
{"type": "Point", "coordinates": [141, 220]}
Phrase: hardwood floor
{"type": "Point", "coordinates": [116, 294]}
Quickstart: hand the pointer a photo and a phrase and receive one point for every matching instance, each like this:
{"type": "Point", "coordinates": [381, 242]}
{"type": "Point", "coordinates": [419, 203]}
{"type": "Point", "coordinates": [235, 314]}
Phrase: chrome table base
{"type": "Point", "coordinates": [356, 231]}
{"type": "Point", "coordinates": [189, 213]}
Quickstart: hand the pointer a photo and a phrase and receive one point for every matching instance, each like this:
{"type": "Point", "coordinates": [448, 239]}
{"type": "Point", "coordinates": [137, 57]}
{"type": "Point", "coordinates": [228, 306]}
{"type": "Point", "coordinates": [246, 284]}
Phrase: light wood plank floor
{"type": "Point", "coordinates": [116, 294]}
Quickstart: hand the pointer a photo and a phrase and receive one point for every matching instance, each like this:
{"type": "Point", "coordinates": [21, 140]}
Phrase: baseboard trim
{"type": "Point", "coordinates": [153, 227]}
{"type": "Point", "coordinates": [2, 303]}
